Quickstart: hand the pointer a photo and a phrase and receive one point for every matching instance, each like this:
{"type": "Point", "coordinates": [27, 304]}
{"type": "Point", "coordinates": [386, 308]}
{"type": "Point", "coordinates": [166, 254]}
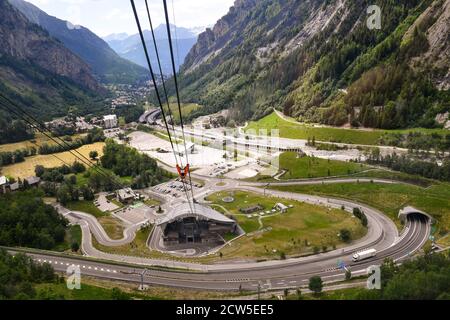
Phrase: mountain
{"type": "Point", "coordinates": [39, 73]}
{"type": "Point", "coordinates": [116, 36]}
{"type": "Point", "coordinates": [131, 48]}
{"type": "Point", "coordinates": [318, 61]}
{"type": "Point", "coordinates": [198, 30]}
{"type": "Point", "coordinates": [104, 62]}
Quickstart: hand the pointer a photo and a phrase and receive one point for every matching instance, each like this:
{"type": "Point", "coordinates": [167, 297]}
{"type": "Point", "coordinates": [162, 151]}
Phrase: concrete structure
{"type": "Point", "coordinates": [195, 223]}
{"type": "Point", "coordinates": [403, 213]}
{"type": "Point", "coordinates": [110, 121]}
{"type": "Point", "coordinates": [247, 275]}
{"type": "Point", "coordinates": [281, 207]}
{"type": "Point", "coordinates": [4, 184]}
{"type": "Point", "coordinates": [32, 181]}
{"type": "Point", "coordinates": [251, 209]}
{"type": "Point", "coordinates": [126, 195]}
{"type": "Point", "coordinates": [190, 147]}
{"type": "Point", "coordinates": [150, 116]}
{"type": "Point", "coordinates": [14, 186]}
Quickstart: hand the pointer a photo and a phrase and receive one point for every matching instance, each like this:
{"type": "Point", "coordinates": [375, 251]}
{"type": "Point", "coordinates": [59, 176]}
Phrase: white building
{"type": "Point", "coordinates": [190, 147]}
{"type": "Point", "coordinates": [281, 207]}
{"type": "Point", "coordinates": [110, 121]}
{"type": "Point", "coordinates": [126, 195]}
{"type": "Point", "coordinates": [4, 184]}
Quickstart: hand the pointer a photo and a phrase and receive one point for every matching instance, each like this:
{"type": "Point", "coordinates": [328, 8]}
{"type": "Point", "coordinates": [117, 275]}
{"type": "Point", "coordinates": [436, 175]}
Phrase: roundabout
{"type": "Point", "coordinates": [382, 234]}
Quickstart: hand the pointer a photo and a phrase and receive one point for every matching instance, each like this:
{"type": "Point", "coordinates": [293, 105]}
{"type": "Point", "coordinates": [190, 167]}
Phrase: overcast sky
{"type": "Point", "coordinates": [104, 17]}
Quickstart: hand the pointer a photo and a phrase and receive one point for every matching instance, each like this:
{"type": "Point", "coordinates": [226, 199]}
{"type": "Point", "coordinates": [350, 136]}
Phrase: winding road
{"type": "Point", "coordinates": [276, 274]}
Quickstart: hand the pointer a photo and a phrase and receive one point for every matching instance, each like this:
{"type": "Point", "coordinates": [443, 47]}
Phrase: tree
{"type": "Point", "coordinates": [87, 193]}
{"type": "Point", "coordinates": [93, 155]}
{"type": "Point", "coordinates": [75, 246]}
{"type": "Point", "coordinates": [315, 284]}
{"type": "Point", "coordinates": [78, 167]}
{"type": "Point", "coordinates": [345, 235]}
{"type": "Point", "coordinates": [25, 220]}
{"type": "Point", "coordinates": [299, 293]}
{"type": "Point", "coordinates": [348, 275]}
{"type": "Point", "coordinates": [64, 195]}
{"type": "Point", "coordinates": [39, 170]}
{"type": "Point", "coordinates": [20, 274]}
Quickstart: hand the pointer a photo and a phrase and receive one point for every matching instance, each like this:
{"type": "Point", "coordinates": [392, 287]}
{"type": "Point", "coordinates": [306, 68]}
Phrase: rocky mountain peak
{"type": "Point", "coordinates": [24, 40]}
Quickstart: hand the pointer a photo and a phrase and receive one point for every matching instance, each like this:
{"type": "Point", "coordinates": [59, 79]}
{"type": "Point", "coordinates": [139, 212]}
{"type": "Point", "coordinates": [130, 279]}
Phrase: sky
{"type": "Point", "coordinates": [105, 17]}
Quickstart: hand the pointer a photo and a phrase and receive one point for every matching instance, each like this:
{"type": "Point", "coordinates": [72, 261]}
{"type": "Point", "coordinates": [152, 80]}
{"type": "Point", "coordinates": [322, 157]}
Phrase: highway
{"type": "Point", "coordinates": [245, 275]}
{"type": "Point", "coordinates": [276, 274]}
{"type": "Point", "coordinates": [290, 275]}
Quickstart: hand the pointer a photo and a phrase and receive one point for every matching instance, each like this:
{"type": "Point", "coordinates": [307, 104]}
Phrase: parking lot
{"type": "Point", "coordinates": [104, 205]}
{"type": "Point", "coordinates": [175, 188]}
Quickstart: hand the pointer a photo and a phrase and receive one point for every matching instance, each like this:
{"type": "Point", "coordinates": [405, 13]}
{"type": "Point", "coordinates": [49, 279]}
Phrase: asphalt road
{"type": "Point", "coordinates": [291, 275]}
{"type": "Point", "coordinates": [277, 274]}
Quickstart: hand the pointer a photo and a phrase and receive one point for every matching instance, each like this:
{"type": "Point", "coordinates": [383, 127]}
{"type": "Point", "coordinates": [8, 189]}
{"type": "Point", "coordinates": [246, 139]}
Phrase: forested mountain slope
{"type": "Point", "coordinates": [104, 62]}
{"type": "Point", "coordinates": [318, 61]}
{"type": "Point", "coordinates": [39, 73]}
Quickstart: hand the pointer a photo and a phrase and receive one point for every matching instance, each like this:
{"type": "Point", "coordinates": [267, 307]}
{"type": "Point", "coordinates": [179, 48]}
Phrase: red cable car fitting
{"type": "Point", "coordinates": [183, 172]}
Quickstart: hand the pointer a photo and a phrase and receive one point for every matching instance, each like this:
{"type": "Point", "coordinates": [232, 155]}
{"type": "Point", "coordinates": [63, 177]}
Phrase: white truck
{"type": "Point", "coordinates": [366, 254]}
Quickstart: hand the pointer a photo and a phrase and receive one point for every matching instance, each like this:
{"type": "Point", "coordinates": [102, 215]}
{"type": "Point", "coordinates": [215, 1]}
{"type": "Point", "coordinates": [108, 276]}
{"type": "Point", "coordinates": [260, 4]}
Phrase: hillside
{"type": "Point", "coordinates": [104, 62]}
{"type": "Point", "coordinates": [317, 61]}
{"type": "Point", "coordinates": [131, 47]}
{"type": "Point", "coordinates": [39, 73]}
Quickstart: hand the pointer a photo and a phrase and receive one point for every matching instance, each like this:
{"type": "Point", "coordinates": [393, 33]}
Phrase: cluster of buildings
{"type": "Point", "coordinates": [80, 124]}
{"type": "Point", "coordinates": [278, 207]}
{"type": "Point", "coordinates": [6, 186]}
{"type": "Point", "coordinates": [129, 94]}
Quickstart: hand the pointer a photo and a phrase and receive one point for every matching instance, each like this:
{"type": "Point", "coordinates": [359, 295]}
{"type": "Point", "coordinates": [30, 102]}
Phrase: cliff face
{"type": "Point", "coordinates": [103, 61]}
{"type": "Point", "coordinates": [25, 41]}
{"type": "Point", "coordinates": [318, 61]}
{"type": "Point", "coordinates": [436, 22]}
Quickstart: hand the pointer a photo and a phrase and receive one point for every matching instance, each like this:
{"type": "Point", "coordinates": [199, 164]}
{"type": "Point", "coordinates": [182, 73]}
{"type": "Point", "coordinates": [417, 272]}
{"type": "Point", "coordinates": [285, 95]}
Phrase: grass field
{"type": "Point", "coordinates": [38, 140]}
{"type": "Point", "coordinates": [138, 247]}
{"type": "Point", "coordinates": [26, 168]}
{"type": "Point", "coordinates": [86, 207]}
{"type": "Point", "coordinates": [113, 227]}
{"type": "Point", "coordinates": [303, 131]}
{"type": "Point", "coordinates": [186, 109]}
{"type": "Point", "coordinates": [83, 179]}
{"type": "Point", "coordinates": [73, 234]}
{"type": "Point", "coordinates": [341, 294]}
{"type": "Point", "coordinates": [99, 289]}
{"type": "Point", "coordinates": [287, 233]}
{"type": "Point", "coordinates": [395, 175]}
{"type": "Point", "coordinates": [308, 167]}
{"type": "Point", "coordinates": [389, 199]}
